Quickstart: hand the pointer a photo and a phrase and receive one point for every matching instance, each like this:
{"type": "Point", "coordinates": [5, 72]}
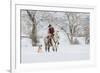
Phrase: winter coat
{"type": "Point", "coordinates": [51, 30]}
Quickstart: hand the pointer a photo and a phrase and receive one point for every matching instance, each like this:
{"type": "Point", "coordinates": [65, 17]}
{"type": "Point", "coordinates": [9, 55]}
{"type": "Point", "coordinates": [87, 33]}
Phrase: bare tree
{"type": "Point", "coordinates": [73, 23]}
{"type": "Point", "coordinates": [33, 36]}
{"type": "Point", "coordinates": [87, 34]}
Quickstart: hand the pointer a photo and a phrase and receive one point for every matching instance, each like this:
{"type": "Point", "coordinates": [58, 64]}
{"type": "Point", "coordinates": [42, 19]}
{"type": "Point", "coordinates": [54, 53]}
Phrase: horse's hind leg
{"type": "Point", "coordinates": [48, 48]}
{"type": "Point", "coordinates": [53, 49]}
{"type": "Point", "coordinates": [56, 49]}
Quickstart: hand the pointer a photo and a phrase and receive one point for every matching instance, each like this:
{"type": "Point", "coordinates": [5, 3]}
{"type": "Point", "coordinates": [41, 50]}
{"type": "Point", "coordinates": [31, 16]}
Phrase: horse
{"type": "Point", "coordinates": [50, 41]}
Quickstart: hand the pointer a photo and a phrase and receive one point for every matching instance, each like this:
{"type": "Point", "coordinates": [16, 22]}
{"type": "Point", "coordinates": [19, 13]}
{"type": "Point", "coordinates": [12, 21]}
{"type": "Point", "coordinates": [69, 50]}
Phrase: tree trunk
{"type": "Point", "coordinates": [34, 28]}
{"type": "Point", "coordinates": [34, 35]}
{"type": "Point", "coordinates": [71, 39]}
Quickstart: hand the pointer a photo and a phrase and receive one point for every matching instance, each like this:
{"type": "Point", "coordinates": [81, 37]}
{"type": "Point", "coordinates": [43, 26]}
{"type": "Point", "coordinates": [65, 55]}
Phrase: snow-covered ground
{"type": "Point", "coordinates": [66, 51]}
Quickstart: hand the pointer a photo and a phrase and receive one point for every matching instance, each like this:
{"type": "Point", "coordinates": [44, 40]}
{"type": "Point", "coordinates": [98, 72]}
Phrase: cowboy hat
{"type": "Point", "coordinates": [49, 25]}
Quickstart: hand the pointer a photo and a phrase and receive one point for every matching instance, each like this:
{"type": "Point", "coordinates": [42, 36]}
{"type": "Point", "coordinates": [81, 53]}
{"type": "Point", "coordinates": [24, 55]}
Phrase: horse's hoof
{"type": "Point", "coordinates": [58, 43]}
{"type": "Point", "coordinates": [53, 49]}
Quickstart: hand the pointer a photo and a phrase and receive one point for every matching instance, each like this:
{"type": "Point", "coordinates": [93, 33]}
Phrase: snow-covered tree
{"type": "Point", "coordinates": [33, 36]}
{"type": "Point", "coordinates": [73, 23]}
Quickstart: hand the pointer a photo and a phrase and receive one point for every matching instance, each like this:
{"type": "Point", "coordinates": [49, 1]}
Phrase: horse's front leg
{"type": "Point", "coordinates": [53, 48]}
{"type": "Point", "coordinates": [56, 46]}
{"type": "Point", "coordinates": [46, 48]}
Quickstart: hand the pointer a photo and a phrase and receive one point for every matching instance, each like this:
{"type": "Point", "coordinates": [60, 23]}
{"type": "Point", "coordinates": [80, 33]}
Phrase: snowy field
{"type": "Point", "coordinates": [66, 51]}
{"type": "Point", "coordinates": [74, 23]}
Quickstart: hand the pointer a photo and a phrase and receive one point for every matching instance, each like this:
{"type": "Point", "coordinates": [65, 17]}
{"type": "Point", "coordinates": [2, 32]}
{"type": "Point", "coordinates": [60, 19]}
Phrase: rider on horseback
{"type": "Point", "coordinates": [51, 33]}
{"type": "Point", "coordinates": [51, 30]}
{"type": "Point", "coordinates": [52, 39]}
